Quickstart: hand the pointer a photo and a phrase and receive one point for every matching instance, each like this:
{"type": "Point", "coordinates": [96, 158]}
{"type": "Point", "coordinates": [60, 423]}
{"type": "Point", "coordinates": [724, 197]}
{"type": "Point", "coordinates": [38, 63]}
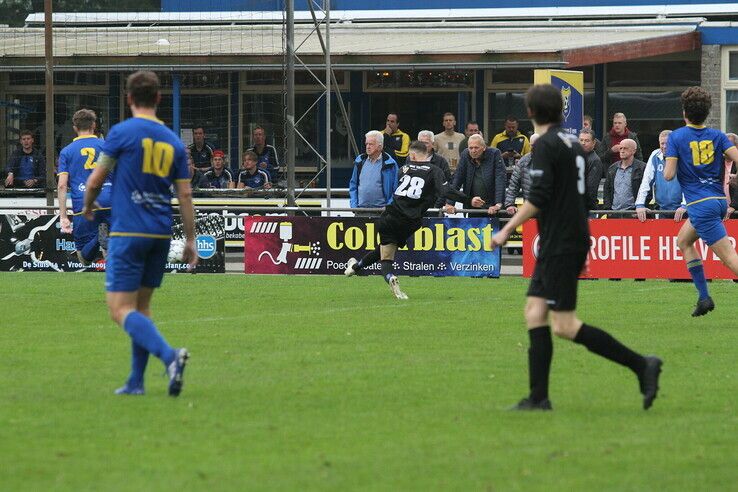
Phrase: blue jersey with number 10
{"type": "Point", "coordinates": [77, 160]}
{"type": "Point", "coordinates": [700, 165]}
{"type": "Point", "coordinates": [150, 157]}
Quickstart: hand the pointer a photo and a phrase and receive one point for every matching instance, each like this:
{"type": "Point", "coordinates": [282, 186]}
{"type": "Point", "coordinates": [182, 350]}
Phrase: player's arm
{"type": "Point", "coordinates": [61, 192]}
{"type": "Point", "coordinates": [186, 210]}
{"type": "Point", "coordinates": [670, 168]}
{"type": "Point", "coordinates": [105, 164]}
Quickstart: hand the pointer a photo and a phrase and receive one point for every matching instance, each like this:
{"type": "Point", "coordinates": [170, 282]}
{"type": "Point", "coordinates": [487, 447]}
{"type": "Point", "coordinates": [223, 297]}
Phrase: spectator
{"type": "Point", "coordinates": [610, 150]}
{"type": "Point", "coordinates": [472, 128]}
{"type": "Point", "coordinates": [27, 166]}
{"type": "Point", "coordinates": [201, 151]}
{"type": "Point", "coordinates": [520, 179]}
{"type": "Point", "coordinates": [197, 178]}
{"type": "Point", "coordinates": [511, 142]}
{"type": "Point", "coordinates": [396, 142]}
{"type": "Point", "coordinates": [668, 194]}
{"type": "Point", "coordinates": [427, 138]}
{"type": "Point", "coordinates": [481, 173]}
{"type": "Point", "coordinates": [218, 176]}
{"type": "Point", "coordinates": [593, 169]}
{"type": "Point", "coordinates": [266, 154]}
{"type": "Point", "coordinates": [374, 179]}
{"type": "Point", "coordinates": [587, 124]}
{"type": "Point", "coordinates": [447, 142]}
{"type": "Point", "coordinates": [252, 177]}
{"type": "Point", "coordinates": [624, 178]}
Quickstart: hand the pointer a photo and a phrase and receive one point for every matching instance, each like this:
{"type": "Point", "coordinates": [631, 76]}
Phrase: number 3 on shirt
{"type": "Point", "coordinates": [157, 157]}
{"type": "Point", "coordinates": [580, 174]}
{"type": "Point", "coordinates": [703, 152]}
{"type": "Point", "coordinates": [411, 187]}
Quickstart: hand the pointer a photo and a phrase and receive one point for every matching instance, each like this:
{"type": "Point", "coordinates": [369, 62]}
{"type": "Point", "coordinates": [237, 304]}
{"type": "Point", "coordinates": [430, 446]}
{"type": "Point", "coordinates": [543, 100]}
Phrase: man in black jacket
{"type": "Point", "coordinates": [623, 179]}
{"type": "Point", "coordinates": [481, 174]}
{"type": "Point", "coordinates": [27, 166]}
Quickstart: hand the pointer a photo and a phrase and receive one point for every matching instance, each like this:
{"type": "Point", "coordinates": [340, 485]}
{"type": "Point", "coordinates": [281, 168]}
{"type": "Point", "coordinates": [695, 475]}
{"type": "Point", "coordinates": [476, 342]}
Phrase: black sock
{"type": "Point", "coordinates": [602, 343]}
{"type": "Point", "coordinates": [540, 353]}
{"type": "Point", "coordinates": [368, 260]}
{"type": "Point", "coordinates": [387, 269]}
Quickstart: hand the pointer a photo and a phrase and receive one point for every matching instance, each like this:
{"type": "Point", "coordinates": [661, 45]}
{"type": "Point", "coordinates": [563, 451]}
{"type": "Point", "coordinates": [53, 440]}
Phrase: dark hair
{"type": "Point", "coordinates": [511, 118]}
{"type": "Point", "coordinates": [251, 155]}
{"type": "Point", "coordinates": [587, 131]}
{"type": "Point", "coordinates": [143, 87]}
{"type": "Point", "coordinates": [198, 127]}
{"type": "Point", "coordinates": [545, 104]}
{"type": "Point", "coordinates": [472, 122]}
{"type": "Point", "coordinates": [396, 116]}
{"type": "Point", "coordinates": [84, 119]}
{"type": "Point", "coordinates": [696, 103]}
{"type": "Point", "coordinates": [258, 127]}
{"type": "Point", "coordinates": [418, 147]}
{"type": "Point", "coordinates": [23, 133]}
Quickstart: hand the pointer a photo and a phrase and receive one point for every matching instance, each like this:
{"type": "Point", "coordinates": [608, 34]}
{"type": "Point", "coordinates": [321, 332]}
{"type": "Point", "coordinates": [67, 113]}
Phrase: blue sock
{"type": "Point", "coordinates": [698, 277]}
{"type": "Point", "coordinates": [143, 331]}
{"type": "Point", "coordinates": [139, 358]}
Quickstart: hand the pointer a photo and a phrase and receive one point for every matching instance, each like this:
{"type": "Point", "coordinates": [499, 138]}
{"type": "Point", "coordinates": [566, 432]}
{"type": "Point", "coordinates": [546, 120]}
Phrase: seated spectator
{"type": "Point", "coordinates": [624, 178]}
{"type": "Point", "coordinates": [668, 194]}
{"type": "Point", "coordinates": [374, 178]}
{"type": "Point", "coordinates": [519, 184]}
{"type": "Point", "coordinates": [610, 149]}
{"type": "Point", "coordinates": [396, 142]}
{"type": "Point", "coordinates": [218, 176]}
{"type": "Point", "coordinates": [252, 177]}
{"type": "Point", "coordinates": [201, 151]}
{"type": "Point", "coordinates": [593, 169]}
{"type": "Point", "coordinates": [197, 178]}
{"type": "Point", "coordinates": [481, 174]}
{"type": "Point", "coordinates": [511, 142]}
{"type": "Point", "coordinates": [446, 143]}
{"type": "Point", "coordinates": [472, 128]}
{"type": "Point", "coordinates": [266, 154]}
{"type": "Point", "coordinates": [26, 166]}
{"type": "Point", "coordinates": [427, 138]}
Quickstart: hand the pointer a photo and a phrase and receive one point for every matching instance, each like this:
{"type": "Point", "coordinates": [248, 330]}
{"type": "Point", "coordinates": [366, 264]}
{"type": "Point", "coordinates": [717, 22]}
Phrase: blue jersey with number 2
{"type": "Point", "coordinates": [150, 157]}
{"type": "Point", "coordinates": [701, 167]}
{"type": "Point", "coordinates": [78, 160]}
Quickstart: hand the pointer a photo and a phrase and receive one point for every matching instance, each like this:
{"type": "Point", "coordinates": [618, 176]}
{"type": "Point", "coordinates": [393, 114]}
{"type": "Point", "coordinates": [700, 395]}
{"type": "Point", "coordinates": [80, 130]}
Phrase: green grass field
{"type": "Point", "coordinates": [318, 383]}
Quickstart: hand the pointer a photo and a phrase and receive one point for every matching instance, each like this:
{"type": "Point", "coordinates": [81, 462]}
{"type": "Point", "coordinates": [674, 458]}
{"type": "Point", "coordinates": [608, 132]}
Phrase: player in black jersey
{"type": "Point", "coordinates": [557, 197]}
{"type": "Point", "coordinates": [420, 185]}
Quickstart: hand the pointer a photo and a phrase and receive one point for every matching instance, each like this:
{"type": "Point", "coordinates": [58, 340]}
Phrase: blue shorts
{"type": "Point", "coordinates": [707, 219]}
{"type": "Point", "coordinates": [135, 262]}
{"type": "Point", "coordinates": [85, 231]}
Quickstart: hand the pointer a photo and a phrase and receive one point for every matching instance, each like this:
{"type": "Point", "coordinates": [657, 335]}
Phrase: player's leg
{"type": "Point", "coordinates": [85, 239]}
{"type": "Point", "coordinates": [540, 353]}
{"type": "Point", "coordinates": [387, 255]}
{"type": "Point", "coordinates": [685, 241]}
{"type": "Point", "coordinates": [139, 355]}
{"type": "Point", "coordinates": [353, 267]}
{"type": "Point", "coordinates": [727, 254]}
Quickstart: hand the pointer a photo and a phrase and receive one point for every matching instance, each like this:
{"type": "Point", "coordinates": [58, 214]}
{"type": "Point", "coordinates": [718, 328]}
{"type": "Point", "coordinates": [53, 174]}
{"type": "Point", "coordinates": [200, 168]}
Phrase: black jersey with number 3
{"type": "Point", "coordinates": [419, 186]}
{"type": "Point", "coordinates": [558, 190]}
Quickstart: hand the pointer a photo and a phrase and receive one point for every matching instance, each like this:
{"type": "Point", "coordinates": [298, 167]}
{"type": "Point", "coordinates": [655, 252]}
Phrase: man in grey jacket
{"type": "Point", "coordinates": [520, 179]}
{"type": "Point", "coordinates": [593, 169]}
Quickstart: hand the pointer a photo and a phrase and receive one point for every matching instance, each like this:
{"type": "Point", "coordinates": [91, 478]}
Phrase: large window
{"type": "Point", "coordinates": [648, 114]}
{"type": "Point", "coordinates": [416, 110]}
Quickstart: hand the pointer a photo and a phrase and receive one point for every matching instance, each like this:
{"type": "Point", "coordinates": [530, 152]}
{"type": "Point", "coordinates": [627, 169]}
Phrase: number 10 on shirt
{"type": "Point", "coordinates": [157, 157]}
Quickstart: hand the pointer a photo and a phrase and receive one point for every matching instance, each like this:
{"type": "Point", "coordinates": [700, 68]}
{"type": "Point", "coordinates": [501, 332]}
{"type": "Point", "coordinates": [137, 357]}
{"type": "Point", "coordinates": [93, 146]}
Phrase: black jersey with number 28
{"type": "Point", "coordinates": [558, 190]}
{"type": "Point", "coordinates": [419, 186]}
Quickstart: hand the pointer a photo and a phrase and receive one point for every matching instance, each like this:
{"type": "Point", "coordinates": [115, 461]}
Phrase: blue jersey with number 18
{"type": "Point", "coordinates": [150, 157]}
{"type": "Point", "coordinates": [701, 168]}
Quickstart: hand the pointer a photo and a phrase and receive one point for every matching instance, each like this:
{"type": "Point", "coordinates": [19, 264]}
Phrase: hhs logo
{"type": "Point", "coordinates": [566, 96]}
{"type": "Point", "coordinates": [206, 247]}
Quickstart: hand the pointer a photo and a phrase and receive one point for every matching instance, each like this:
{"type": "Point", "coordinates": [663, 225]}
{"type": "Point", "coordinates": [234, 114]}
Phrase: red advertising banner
{"type": "Point", "coordinates": [628, 248]}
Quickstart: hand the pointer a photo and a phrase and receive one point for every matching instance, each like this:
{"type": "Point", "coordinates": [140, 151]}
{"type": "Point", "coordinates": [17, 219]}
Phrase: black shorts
{"type": "Point", "coordinates": [555, 279]}
{"type": "Point", "coordinates": [395, 229]}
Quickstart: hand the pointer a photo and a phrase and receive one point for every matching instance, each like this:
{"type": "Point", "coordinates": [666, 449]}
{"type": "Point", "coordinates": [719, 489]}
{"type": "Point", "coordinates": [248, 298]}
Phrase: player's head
{"type": "Point", "coordinates": [663, 140]}
{"type": "Point", "coordinates": [696, 103]}
{"type": "Point", "coordinates": [142, 88]}
{"type": "Point", "coordinates": [218, 159]}
{"type": "Point", "coordinates": [418, 152]}
{"type": "Point", "coordinates": [587, 140]}
{"type": "Point", "coordinates": [427, 138]}
{"type": "Point", "coordinates": [84, 121]}
{"type": "Point", "coordinates": [544, 103]}
{"type": "Point", "coordinates": [476, 146]}
{"type": "Point", "coordinates": [249, 160]}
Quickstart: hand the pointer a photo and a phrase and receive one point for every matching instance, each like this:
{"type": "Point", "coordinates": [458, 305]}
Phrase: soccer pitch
{"type": "Point", "coordinates": [329, 383]}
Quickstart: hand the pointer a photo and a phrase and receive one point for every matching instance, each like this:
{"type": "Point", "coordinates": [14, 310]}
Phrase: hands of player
{"type": "Point", "coordinates": [511, 210]}
{"type": "Point", "coordinates": [499, 239]}
{"type": "Point", "coordinates": [679, 214]}
{"type": "Point", "coordinates": [66, 225]}
{"type": "Point", "coordinates": [477, 202]}
{"type": "Point", "coordinates": [449, 209]}
{"type": "Point", "coordinates": [88, 213]}
{"type": "Point", "coordinates": [729, 213]}
{"type": "Point", "coordinates": [641, 213]}
{"type": "Point", "coordinates": [494, 209]}
{"type": "Point", "coordinates": [189, 255]}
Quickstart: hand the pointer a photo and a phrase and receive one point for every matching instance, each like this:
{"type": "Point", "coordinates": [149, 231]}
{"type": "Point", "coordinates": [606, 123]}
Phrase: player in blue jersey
{"type": "Point", "coordinates": [76, 162]}
{"type": "Point", "coordinates": [695, 155]}
{"type": "Point", "coordinates": [148, 158]}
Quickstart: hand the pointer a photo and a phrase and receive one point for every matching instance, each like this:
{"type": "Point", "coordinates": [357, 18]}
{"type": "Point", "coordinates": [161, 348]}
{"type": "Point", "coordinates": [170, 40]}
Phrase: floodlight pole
{"type": "Point", "coordinates": [290, 102]}
{"type": "Point", "coordinates": [328, 74]}
{"type": "Point", "coordinates": [50, 143]}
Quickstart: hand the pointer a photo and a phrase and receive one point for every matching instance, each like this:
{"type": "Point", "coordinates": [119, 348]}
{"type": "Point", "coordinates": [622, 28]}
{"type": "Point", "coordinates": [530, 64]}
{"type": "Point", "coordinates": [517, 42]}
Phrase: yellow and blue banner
{"type": "Point", "coordinates": [571, 84]}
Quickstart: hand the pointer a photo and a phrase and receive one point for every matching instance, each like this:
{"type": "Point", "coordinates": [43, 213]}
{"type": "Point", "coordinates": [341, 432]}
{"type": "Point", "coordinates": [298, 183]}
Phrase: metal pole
{"type": "Point", "coordinates": [328, 73]}
{"type": "Point", "coordinates": [290, 102]}
{"type": "Point", "coordinates": [50, 142]}
{"type": "Point", "coordinates": [176, 103]}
